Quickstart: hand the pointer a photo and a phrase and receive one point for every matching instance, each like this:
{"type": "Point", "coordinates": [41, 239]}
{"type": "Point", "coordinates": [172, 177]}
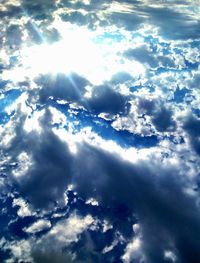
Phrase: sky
{"type": "Point", "coordinates": [99, 131]}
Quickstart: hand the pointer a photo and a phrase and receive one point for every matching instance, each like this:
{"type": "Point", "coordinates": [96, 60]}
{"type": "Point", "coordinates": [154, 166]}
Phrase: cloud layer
{"type": "Point", "coordinates": [100, 131]}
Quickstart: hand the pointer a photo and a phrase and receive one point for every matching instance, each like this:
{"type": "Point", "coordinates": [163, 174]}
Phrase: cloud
{"type": "Point", "coordinates": [39, 10]}
{"type": "Point", "coordinates": [14, 36]}
{"type": "Point", "coordinates": [24, 208]}
{"type": "Point", "coordinates": [151, 190]}
{"type": "Point", "coordinates": [45, 179]}
{"type": "Point", "coordinates": [10, 9]}
{"type": "Point", "coordinates": [192, 127]}
{"type": "Point", "coordinates": [105, 99]}
{"type": "Point", "coordinates": [63, 87]}
{"type": "Point", "coordinates": [145, 55]}
{"type": "Point", "coordinates": [171, 23]}
{"type": "Point", "coordinates": [54, 164]}
{"type": "Point", "coordinates": [52, 247]}
{"type": "Point", "coordinates": [38, 226]}
{"type": "Point", "coordinates": [166, 16]}
{"type": "Point", "coordinates": [147, 116]}
{"type": "Point", "coordinates": [154, 193]}
{"type": "Point", "coordinates": [130, 20]}
{"type": "Point", "coordinates": [133, 252]}
{"type": "Point", "coordinates": [34, 33]}
{"type": "Point", "coordinates": [162, 119]}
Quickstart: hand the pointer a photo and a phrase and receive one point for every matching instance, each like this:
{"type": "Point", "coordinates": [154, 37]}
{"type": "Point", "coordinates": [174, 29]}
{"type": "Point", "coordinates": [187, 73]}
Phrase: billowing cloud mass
{"type": "Point", "coordinates": [100, 131]}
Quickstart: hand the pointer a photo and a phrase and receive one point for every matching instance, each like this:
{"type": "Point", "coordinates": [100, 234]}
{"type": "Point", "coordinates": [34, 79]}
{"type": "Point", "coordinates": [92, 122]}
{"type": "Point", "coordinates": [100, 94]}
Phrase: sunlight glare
{"type": "Point", "coordinates": [78, 52]}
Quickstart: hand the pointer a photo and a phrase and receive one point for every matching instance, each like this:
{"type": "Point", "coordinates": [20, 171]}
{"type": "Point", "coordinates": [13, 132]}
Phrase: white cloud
{"type": "Point", "coordinates": [24, 208]}
{"type": "Point", "coordinates": [20, 250]}
{"type": "Point", "coordinates": [38, 226]}
{"type": "Point", "coordinates": [92, 202]}
{"type": "Point", "coordinates": [170, 255]}
{"type": "Point", "coordinates": [67, 231]}
{"type": "Point", "coordinates": [133, 251]}
{"type": "Point", "coordinates": [24, 162]}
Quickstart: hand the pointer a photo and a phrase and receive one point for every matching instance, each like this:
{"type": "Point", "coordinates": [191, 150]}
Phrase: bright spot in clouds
{"type": "Point", "coordinates": [78, 51]}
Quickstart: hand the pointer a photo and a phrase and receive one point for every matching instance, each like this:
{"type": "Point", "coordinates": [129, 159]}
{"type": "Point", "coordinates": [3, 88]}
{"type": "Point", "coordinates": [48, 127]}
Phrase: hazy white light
{"type": "Point", "coordinates": [79, 52]}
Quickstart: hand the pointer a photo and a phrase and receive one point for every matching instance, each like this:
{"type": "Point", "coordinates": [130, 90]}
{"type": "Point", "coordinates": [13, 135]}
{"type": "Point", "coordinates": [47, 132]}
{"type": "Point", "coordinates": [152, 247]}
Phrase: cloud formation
{"type": "Point", "coordinates": [100, 129]}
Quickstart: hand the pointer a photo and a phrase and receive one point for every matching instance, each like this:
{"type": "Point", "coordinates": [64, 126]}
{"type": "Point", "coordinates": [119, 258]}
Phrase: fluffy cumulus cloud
{"type": "Point", "coordinates": [100, 131]}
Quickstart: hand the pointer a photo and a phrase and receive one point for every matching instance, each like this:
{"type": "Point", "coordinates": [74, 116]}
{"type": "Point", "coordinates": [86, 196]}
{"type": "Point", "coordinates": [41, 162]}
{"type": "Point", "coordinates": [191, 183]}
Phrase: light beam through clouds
{"type": "Point", "coordinates": [79, 50]}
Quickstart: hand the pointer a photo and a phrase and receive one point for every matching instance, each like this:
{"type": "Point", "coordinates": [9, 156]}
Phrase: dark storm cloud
{"type": "Point", "coordinates": [192, 126]}
{"type": "Point", "coordinates": [154, 193]}
{"type": "Point", "coordinates": [72, 88]}
{"type": "Point", "coordinates": [106, 99]}
{"type": "Point", "coordinates": [64, 87]}
{"type": "Point", "coordinates": [46, 180]}
{"type": "Point", "coordinates": [169, 218]}
{"type": "Point", "coordinates": [161, 115]}
{"type": "Point", "coordinates": [146, 106]}
{"type": "Point", "coordinates": [162, 119]}
{"type": "Point", "coordinates": [39, 9]}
